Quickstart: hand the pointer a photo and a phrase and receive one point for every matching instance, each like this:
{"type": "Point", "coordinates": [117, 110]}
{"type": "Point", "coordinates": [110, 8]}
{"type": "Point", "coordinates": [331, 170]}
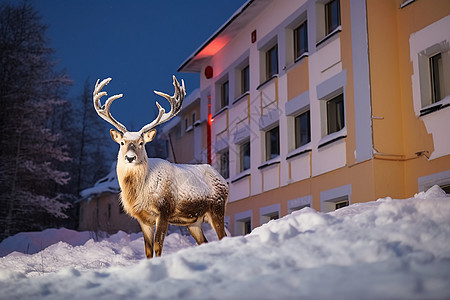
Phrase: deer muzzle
{"type": "Point", "coordinates": [130, 158]}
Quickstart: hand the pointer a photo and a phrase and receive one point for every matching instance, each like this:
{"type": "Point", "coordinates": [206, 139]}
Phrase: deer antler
{"type": "Point", "coordinates": [175, 105]}
{"type": "Point", "coordinates": [103, 110]}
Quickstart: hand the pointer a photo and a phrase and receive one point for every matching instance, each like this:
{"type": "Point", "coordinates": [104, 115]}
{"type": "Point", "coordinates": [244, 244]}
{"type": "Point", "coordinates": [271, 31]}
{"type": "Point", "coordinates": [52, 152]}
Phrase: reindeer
{"type": "Point", "coordinates": [157, 192]}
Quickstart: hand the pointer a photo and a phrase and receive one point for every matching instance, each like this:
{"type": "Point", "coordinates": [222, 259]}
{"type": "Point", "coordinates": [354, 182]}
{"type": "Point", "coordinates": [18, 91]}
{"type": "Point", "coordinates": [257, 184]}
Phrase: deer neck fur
{"type": "Point", "coordinates": [132, 180]}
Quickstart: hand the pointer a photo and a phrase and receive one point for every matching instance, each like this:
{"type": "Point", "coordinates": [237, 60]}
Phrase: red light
{"type": "Point", "coordinates": [214, 47]}
{"type": "Point", "coordinates": [210, 119]}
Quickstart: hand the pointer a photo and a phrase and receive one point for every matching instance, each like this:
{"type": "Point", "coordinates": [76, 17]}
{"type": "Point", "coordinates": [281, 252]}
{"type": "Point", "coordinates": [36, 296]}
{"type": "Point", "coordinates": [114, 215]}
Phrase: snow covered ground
{"type": "Point", "coordinates": [387, 249]}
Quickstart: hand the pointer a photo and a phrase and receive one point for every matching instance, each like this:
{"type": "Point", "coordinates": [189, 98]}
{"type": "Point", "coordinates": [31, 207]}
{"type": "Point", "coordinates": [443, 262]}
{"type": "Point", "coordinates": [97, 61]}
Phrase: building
{"type": "Point", "coordinates": [325, 103]}
{"type": "Point", "coordinates": [100, 209]}
{"type": "Point", "coordinates": [186, 133]}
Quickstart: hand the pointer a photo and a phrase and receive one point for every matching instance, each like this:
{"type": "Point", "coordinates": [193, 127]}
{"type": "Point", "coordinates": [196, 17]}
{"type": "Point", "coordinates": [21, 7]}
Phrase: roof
{"type": "Point", "coordinates": [241, 18]}
{"type": "Point", "coordinates": [107, 184]}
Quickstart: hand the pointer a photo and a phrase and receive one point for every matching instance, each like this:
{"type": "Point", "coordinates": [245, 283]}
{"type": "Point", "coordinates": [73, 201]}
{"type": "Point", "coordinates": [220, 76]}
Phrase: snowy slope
{"type": "Point", "coordinates": [388, 249]}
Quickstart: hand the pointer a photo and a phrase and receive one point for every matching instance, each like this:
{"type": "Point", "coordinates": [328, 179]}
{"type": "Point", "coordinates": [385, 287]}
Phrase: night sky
{"type": "Point", "coordinates": [140, 44]}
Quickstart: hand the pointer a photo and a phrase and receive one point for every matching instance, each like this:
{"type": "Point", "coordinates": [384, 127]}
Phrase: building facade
{"type": "Point", "coordinates": [325, 103]}
{"type": "Point", "coordinates": [186, 133]}
{"type": "Point", "coordinates": [100, 209]}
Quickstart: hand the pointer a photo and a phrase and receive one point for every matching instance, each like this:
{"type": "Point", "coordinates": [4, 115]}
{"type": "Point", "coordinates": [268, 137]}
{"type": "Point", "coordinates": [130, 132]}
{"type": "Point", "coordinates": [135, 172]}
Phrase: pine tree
{"type": "Point", "coordinates": [94, 158]}
{"type": "Point", "coordinates": [30, 151]}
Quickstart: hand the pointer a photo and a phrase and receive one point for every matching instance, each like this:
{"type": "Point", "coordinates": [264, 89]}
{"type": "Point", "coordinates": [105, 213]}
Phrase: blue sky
{"type": "Point", "coordinates": [140, 44]}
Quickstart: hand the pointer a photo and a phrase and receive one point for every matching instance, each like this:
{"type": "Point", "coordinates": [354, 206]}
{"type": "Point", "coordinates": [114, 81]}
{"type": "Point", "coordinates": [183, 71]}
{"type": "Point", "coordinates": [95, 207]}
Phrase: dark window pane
{"type": "Point", "coordinates": [245, 156]}
{"type": "Point", "coordinates": [436, 70]}
{"type": "Point", "coordinates": [272, 143]}
{"type": "Point", "coordinates": [272, 61]}
{"type": "Point", "coordinates": [225, 94]}
{"type": "Point", "coordinates": [224, 164]}
{"type": "Point", "coordinates": [335, 114]}
{"type": "Point", "coordinates": [300, 40]}
{"type": "Point", "coordinates": [245, 79]}
{"type": "Point", "coordinates": [302, 129]}
{"type": "Point", "coordinates": [247, 227]}
{"type": "Point", "coordinates": [332, 15]}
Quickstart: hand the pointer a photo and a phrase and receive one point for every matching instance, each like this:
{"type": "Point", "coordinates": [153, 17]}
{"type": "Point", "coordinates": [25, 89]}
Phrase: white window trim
{"type": "Point", "coordinates": [335, 194]}
{"type": "Point", "coordinates": [240, 217]}
{"type": "Point", "coordinates": [264, 211]}
{"type": "Point", "coordinates": [299, 202]}
{"type": "Point", "coordinates": [420, 42]}
{"type": "Point", "coordinates": [426, 182]}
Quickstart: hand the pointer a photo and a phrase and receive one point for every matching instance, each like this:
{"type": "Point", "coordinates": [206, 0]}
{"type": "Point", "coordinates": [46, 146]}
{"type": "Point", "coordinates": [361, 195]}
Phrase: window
{"type": "Point", "coordinates": [245, 79]}
{"type": "Point", "coordinates": [335, 114]}
{"type": "Point", "coordinates": [224, 94]}
{"type": "Point", "coordinates": [243, 222]}
{"type": "Point", "coordinates": [437, 78]}
{"type": "Point", "coordinates": [243, 226]}
{"type": "Point", "coordinates": [272, 62]}
{"type": "Point", "coordinates": [224, 164]}
{"type": "Point", "coordinates": [272, 143]}
{"type": "Point", "coordinates": [332, 16]}
{"type": "Point", "coordinates": [333, 205]}
{"type": "Point", "coordinates": [186, 124]}
{"type": "Point", "coordinates": [244, 156]}
{"type": "Point", "coordinates": [193, 118]}
{"type": "Point", "coordinates": [300, 40]}
{"type": "Point", "coordinates": [446, 188]}
{"type": "Point", "coordinates": [302, 129]}
{"type": "Point", "coordinates": [295, 208]}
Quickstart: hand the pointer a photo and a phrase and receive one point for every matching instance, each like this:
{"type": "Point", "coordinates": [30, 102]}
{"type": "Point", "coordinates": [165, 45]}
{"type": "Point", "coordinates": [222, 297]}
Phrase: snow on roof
{"type": "Point", "coordinates": [107, 184]}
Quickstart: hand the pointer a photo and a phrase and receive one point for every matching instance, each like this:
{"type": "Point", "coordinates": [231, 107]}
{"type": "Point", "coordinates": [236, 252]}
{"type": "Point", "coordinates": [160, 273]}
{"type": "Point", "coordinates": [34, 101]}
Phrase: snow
{"type": "Point", "coordinates": [386, 249]}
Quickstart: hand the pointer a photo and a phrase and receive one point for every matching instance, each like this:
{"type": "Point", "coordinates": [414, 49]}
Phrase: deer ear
{"type": "Point", "coordinates": [115, 135]}
{"type": "Point", "coordinates": [149, 135]}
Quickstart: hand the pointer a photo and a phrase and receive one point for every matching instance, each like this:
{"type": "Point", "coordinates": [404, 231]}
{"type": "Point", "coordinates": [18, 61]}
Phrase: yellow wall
{"type": "Point", "coordinates": [401, 133]}
{"type": "Point", "coordinates": [360, 176]}
{"type": "Point", "coordinates": [298, 79]}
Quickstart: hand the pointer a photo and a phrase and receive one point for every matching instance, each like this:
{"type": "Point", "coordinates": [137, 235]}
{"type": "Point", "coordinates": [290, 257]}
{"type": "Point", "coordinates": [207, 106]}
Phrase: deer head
{"type": "Point", "coordinates": [132, 150]}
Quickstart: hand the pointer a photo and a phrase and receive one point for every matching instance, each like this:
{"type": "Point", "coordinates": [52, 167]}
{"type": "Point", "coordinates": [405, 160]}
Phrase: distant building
{"type": "Point", "coordinates": [100, 209]}
{"type": "Point", "coordinates": [325, 103]}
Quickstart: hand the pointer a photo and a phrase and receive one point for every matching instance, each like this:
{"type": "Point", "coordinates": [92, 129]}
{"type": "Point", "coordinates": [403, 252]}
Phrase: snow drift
{"type": "Point", "coordinates": [387, 249]}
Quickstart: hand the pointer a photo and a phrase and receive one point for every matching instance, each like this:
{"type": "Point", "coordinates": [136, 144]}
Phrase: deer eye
{"type": "Point", "coordinates": [122, 143]}
{"type": "Point", "coordinates": [141, 143]}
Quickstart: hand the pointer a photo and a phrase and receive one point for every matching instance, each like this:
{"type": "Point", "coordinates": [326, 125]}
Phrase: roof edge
{"type": "Point", "coordinates": [236, 14]}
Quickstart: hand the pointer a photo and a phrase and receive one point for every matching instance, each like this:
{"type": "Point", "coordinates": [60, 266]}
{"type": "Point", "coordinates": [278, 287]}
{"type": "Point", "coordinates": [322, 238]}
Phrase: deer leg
{"type": "Point", "coordinates": [162, 225]}
{"type": "Point", "coordinates": [217, 222]}
{"type": "Point", "coordinates": [196, 231]}
{"type": "Point", "coordinates": [147, 231]}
